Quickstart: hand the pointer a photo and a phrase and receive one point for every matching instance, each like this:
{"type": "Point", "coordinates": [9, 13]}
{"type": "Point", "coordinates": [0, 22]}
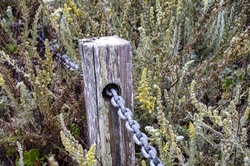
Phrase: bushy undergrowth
{"type": "Point", "coordinates": [193, 56]}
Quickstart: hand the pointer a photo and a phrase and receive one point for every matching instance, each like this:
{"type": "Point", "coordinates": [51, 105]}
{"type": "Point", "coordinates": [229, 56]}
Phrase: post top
{"type": "Point", "coordinates": [104, 41]}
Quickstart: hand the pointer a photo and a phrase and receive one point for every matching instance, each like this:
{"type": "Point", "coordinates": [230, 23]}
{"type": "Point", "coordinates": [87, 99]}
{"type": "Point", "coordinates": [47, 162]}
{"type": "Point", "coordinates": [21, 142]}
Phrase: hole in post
{"type": "Point", "coordinates": [106, 93]}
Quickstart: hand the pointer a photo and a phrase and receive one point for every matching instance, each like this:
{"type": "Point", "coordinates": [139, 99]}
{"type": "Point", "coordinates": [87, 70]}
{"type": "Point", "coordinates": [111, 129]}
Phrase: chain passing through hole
{"type": "Point", "coordinates": [133, 127]}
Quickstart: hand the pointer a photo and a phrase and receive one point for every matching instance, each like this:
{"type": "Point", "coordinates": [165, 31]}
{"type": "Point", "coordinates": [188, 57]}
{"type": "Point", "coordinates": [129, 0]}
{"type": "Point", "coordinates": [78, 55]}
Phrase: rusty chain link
{"type": "Point", "coordinates": [133, 126]}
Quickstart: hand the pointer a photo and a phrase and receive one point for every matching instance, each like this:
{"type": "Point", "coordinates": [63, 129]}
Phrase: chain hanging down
{"type": "Point", "coordinates": [133, 126]}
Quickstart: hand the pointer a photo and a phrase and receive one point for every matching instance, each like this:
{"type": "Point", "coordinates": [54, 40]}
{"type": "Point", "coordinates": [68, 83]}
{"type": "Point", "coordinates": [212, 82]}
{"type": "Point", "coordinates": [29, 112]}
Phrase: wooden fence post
{"type": "Point", "coordinates": [108, 61]}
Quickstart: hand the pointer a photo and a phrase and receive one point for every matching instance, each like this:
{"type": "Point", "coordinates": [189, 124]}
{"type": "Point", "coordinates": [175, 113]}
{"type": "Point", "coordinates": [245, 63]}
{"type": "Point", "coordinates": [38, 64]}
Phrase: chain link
{"type": "Point", "coordinates": [133, 126]}
{"type": "Point", "coordinates": [65, 60]}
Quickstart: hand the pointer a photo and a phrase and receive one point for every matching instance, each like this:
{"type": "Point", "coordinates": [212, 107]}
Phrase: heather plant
{"type": "Point", "coordinates": [193, 57]}
{"type": "Point", "coordinates": [196, 47]}
{"type": "Point", "coordinates": [34, 87]}
{"type": "Point", "coordinates": [75, 149]}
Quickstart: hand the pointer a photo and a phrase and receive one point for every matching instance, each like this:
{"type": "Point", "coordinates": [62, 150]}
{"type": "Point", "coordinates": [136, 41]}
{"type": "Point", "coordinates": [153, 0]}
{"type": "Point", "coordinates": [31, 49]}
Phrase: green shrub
{"type": "Point", "coordinates": [193, 56]}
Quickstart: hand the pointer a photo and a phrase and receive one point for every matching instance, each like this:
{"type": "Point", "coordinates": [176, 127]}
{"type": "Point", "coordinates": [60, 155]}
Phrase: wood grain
{"type": "Point", "coordinates": [108, 60]}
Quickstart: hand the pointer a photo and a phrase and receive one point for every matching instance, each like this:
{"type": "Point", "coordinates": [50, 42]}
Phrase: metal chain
{"type": "Point", "coordinates": [65, 60]}
{"type": "Point", "coordinates": [133, 126]}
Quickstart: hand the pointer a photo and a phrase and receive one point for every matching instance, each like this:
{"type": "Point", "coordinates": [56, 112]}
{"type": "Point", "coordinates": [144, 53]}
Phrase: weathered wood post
{"type": "Point", "coordinates": [107, 61]}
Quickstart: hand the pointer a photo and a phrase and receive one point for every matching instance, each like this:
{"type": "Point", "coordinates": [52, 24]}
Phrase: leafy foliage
{"type": "Point", "coordinates": [30, 158]}
{"type": "Point", "coordinates": [193, 56]}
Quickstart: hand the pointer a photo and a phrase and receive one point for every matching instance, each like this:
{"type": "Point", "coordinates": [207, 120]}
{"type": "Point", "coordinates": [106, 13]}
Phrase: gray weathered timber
{"type": "Point", "coordinates": [107, 60]}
